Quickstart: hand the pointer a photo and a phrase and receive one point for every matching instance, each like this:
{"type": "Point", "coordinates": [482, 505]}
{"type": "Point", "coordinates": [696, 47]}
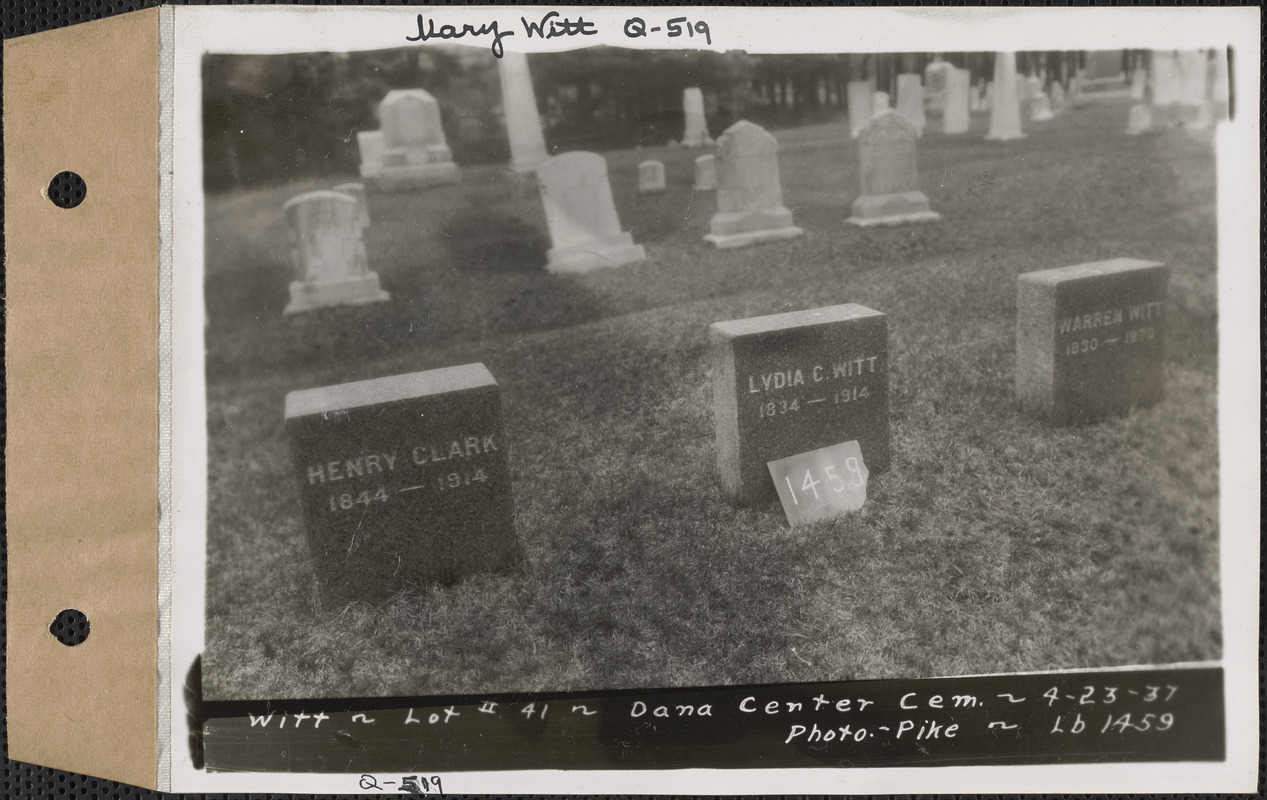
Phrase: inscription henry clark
{"type": "Point", "coordinates": [790, 383]}
{"type": "Point", "coordinates": [403, 481]}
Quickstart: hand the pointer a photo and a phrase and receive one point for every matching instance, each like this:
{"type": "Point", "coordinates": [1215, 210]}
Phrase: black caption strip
{"type": "Point", "coordinates": [1078, 717]}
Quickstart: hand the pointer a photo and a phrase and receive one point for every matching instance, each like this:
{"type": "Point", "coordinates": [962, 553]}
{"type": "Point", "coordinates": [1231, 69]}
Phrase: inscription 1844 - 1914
{"type": "Point", "coordinates": [791, 383]}
{"type": "Point", "coordinates": [403, 481]}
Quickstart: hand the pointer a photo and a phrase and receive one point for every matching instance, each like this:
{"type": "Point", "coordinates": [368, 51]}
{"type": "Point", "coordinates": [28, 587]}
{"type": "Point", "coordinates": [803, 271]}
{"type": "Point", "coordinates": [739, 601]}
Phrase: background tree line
{"type": "Point", "coordinates": [276, 118]}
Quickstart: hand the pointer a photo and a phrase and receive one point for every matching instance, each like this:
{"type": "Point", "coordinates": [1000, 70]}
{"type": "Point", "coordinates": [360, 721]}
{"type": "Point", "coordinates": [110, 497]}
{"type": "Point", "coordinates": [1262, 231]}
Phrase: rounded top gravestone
{"type": "Point", "coordinates": [325, 235]}
{"type": "Point", "coordinates": [578, 199]}
{"type": "Point", "coordinates": [887, 155]}
{"type": "Point", "coordinates": [410, 118]}
{"type": "Point", "coordinates": [750, 176]}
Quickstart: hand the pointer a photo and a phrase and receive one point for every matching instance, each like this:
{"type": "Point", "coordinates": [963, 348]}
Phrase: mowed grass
{"type": "Point", "coordinates": [993, 543]}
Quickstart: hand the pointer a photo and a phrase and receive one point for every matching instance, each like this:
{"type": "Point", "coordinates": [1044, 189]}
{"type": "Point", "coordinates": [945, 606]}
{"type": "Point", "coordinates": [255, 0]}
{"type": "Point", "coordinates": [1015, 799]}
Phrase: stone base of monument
{"type": "Point", "coordinates": [1096, 90]}
{"type": "Point", "coordinates": [742, 228]}
{"type": "Point", "coordinates": [707, 141]}
{"type": "Point", "coordinates": [354, 291]}
{"type": "Point", "coordinates": [892, 209]}
{"type": "Point", "coordinates": [1004, 138]}
{"type": "Point", "coordinates": [611, 252]}
{"type": "Point", "coordinates": [414, 176]}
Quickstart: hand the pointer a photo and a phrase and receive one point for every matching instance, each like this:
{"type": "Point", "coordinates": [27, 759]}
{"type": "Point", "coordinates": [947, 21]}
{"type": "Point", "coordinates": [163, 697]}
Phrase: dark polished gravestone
{"type": "Point", "coordinates": [1090, 339]}
{"type": "Point", "coordinates": [790, 383]}
{"type": "Point", "coordinates": [403, 481]}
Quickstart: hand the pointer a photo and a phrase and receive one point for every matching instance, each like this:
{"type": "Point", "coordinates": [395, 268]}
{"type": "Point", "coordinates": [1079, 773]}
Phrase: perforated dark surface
{"type": "Point", "coordinates": [67, 189]}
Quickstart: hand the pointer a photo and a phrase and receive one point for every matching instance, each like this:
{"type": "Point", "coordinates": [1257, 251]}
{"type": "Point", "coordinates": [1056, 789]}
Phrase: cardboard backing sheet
{"type": "Point", "coordinates": [81, 355]}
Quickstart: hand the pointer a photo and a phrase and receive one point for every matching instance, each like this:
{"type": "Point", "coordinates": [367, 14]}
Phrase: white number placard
{"type": "Point", "coordinates": [822, 483]}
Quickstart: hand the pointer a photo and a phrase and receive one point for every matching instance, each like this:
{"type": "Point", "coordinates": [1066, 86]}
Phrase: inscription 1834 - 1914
{"type": "Point", "coordinates": [403, 481]}
{"type": "Point", "coordinates": [790, 383]}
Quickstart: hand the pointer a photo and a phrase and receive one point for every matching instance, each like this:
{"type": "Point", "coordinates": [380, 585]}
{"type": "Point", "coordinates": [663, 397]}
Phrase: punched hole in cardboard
{"type": "Point", "coordinates": [70, 627]}
{"type": "Point", "coordinates": [66, 190]}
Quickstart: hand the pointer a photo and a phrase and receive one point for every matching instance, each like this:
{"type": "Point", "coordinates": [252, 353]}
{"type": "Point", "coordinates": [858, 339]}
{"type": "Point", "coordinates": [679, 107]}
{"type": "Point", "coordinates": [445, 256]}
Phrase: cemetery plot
{"type": "Point", "coordinates": [1089, 339]}
{"type": "Point", "coordinates": [992, 542]}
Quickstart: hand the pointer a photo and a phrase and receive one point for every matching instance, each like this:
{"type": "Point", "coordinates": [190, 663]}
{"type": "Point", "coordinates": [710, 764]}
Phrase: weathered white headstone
{"type": "Point", "coordinates": [357, 191]}
{"type": "Point", "coordinates": [370, 145]}
{"type": "Point", "coordinates": [1040, 108]}
{"type": "Point", "coordinates": [955, 112]}
{"type": "Point", "coordinates": [415, 154]}
{"type": "Point", "coordinates": [859, 95]}
{"type": "Point", "coordinates": [696, 134]}
{"type": "Point", "coordinates": [936, 82]}
{"type": "Point", "coordinates": [890, 179]}
{"type": "Point", "coordinates": [651, 177]}
{"type": "Point", "coordinates": [910, 101]}
{"type": "Point", "coordinates": [1005, 108]}
{"type": "Point", "coordinates": [879, 105]}
{"type": "Point", "coordinates": [581, 215]}
{"type": "Point", "coordinates": [1141, 120]}
{"type": "Point", "coordinates": [1139, 80]}
{"type": "Point", "coordinates": [328, 254]}
{"type": "Point", "coordinates": [705, 173]}
{"type": "Point", "coordinates": [749, 196]}
{"type": "Point", "coordinates": [1194, 67]}
{"type": "Point", "coordinates": [523, 122]}
{"type": "Point", "coordinates": [1058, 101]}
{"type": "Point", "coordinates": [1167, 83]}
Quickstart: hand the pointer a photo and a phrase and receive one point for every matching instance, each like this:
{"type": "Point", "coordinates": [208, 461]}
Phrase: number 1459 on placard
{"type": "Point", "coordinates": [822, 483]}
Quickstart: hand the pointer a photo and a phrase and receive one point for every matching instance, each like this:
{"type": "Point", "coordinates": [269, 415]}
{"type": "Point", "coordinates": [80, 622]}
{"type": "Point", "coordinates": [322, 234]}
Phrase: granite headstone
{"type": "Point", "coordinates": [328, 254]}
{"type": "Point", "coordinates": [404, 481]}
{"type": "Point", "coordinates": [794, 382]}
{"type": "Point", "coordinates": [415, 153]}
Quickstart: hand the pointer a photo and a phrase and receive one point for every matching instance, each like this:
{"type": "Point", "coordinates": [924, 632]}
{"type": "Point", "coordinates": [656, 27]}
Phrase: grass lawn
{"type": "Point", "coordinates": [992, 544]}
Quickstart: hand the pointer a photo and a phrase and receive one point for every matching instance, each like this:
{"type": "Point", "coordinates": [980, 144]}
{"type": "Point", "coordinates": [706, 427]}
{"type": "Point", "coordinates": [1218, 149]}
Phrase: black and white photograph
{"type": "Point", "coordinates": [478, 407]}
{"type": "Point", "coordinates": [690, 365]}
